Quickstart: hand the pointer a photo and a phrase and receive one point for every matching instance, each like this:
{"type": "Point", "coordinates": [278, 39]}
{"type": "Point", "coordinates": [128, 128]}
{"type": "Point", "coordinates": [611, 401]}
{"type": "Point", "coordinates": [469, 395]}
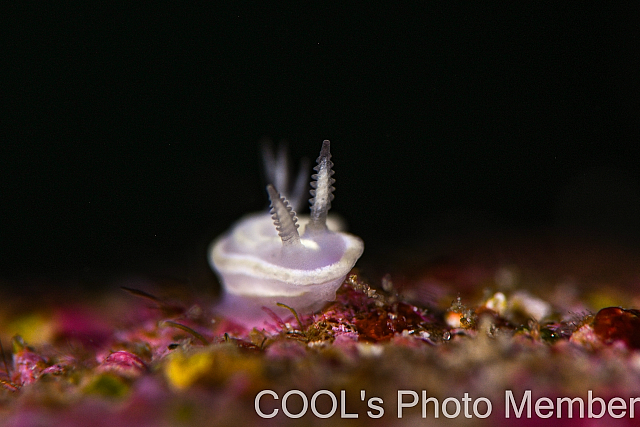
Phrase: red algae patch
{"type": "Point", "coordinates": [617, 324]}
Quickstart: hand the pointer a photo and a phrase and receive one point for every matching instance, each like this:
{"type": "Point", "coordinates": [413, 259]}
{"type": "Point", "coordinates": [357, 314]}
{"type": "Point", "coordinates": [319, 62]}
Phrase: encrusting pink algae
{"type": "Point", "coordinates": [177, 363]}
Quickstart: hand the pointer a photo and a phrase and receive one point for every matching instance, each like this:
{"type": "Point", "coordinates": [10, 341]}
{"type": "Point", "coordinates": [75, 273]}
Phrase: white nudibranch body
{"type": "Point", "coordinates": [264, 260]}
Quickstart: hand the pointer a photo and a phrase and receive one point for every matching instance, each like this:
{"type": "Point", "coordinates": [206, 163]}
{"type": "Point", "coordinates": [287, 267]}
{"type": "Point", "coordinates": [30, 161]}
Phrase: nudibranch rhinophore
{"type": "Point", "coordinates": [264, 260]}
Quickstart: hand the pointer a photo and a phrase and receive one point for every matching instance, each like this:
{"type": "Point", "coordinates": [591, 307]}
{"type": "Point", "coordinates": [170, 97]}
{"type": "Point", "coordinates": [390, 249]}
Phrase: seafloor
{"type": "Point", "coordinates": [485, 321]}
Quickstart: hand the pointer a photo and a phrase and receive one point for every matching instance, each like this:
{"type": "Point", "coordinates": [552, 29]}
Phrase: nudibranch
{"type": "Point", "coordinates": [264, 260]}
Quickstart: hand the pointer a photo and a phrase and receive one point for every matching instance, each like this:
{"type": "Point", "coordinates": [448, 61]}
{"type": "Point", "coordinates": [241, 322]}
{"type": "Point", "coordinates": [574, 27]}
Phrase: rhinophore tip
{"type": "Point", "coordinates": [276, 168]}
{"type": "Point", "coordinates": [322, 190]}
{"type": "Point", "coordinates": [284, 218]}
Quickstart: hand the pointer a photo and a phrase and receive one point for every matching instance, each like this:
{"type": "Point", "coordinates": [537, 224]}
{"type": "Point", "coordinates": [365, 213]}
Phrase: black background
{"type": "Point", "coordinates": [131, 135]}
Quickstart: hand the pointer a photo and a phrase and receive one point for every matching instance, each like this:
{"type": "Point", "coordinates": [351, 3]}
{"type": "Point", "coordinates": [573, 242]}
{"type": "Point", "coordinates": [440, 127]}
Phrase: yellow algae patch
{"type": "Point", "coordinates": [33, 327]}
{"type": "Point", "coordinates": [183, 370]}
{"type": "Point", "coordinates": [215, 366]}
{"type": "Point", "coordinates": [606, 296]}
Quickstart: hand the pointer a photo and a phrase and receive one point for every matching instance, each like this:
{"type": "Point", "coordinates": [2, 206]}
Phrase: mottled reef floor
{"type": "Point", "coordinates": [553, 316]}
